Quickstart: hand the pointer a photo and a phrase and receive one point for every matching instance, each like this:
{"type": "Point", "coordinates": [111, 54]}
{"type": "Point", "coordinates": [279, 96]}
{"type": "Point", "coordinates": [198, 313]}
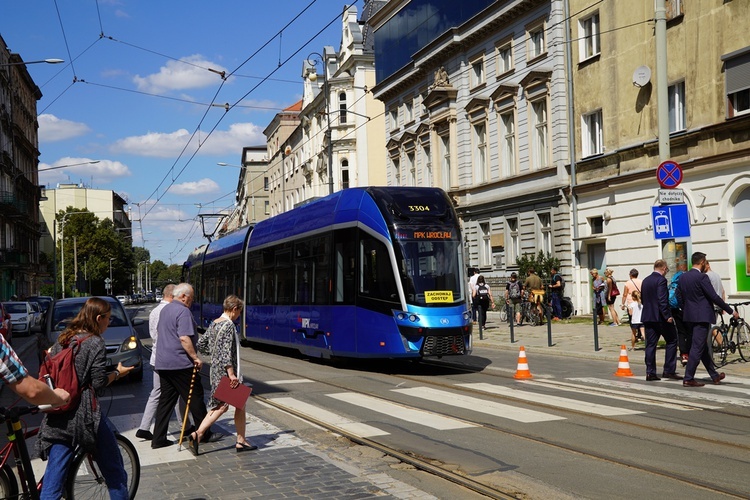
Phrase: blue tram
{"type": "Point", "coordinates": [371, 272]}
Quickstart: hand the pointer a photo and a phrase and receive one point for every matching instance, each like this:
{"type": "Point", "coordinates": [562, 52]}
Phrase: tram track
{"type": "Point", "coordinates": [491, 491]}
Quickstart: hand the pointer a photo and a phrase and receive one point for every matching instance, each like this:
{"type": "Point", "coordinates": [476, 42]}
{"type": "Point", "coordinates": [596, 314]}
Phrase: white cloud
{"type": "Point", "coordinates": [189, 73]}
{"type": "Point", "coordinates": [52, 128]}
{"type": "Point", "coordinates": [103, 171]}
{"type": "Point", "coordinates": [203, 186]}
{"type": "Point", "coordinates": [170, 144]}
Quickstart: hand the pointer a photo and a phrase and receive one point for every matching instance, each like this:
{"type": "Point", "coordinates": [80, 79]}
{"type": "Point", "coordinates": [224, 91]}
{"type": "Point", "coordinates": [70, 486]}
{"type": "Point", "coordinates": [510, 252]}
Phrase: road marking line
{"type": "Point", "coordinates": [287, 382]}
{"type": "Point", "coordinates": [701, 393]}
{"type": "Point", "coordinates": [479, 405]}
{"type": "Point", "coordinates": [560, 402]}
{"type": "Point", "coordinates": [358, 428]}
{"type": "Point", "coordinates": [395, 410]}
{"type": "Point", "coordinates": [644, 399]}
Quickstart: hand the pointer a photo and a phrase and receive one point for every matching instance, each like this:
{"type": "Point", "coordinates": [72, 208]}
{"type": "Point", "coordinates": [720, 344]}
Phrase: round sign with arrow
{"type": "Point", "coordinates": [669, 174]}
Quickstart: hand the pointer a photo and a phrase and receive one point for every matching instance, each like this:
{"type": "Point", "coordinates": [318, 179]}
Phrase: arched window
{"type": "Point", "coordinates": [344, 174]}
{"type": "Point", "coordinates": [342, 107]}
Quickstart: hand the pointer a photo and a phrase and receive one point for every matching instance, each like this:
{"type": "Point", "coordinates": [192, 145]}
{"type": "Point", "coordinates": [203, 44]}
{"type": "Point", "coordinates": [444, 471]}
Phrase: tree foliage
{"type": "Point", "coordinates": [541, 263]}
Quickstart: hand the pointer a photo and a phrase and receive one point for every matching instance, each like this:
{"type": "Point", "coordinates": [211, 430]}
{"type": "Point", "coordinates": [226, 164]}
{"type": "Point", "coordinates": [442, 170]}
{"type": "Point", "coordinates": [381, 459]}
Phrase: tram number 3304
{"type": "Point", "coordinates": [419, 208]}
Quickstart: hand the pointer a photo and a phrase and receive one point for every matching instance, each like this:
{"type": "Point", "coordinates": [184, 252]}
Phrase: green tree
{"type": "Point", "coordinates": [541, 263]}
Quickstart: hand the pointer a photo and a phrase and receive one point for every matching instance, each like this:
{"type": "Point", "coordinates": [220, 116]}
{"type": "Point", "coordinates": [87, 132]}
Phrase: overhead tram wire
{"type": "Point", "coordinates": [65, 38]}
{"type": "Point", "coordinates": [294, 54]}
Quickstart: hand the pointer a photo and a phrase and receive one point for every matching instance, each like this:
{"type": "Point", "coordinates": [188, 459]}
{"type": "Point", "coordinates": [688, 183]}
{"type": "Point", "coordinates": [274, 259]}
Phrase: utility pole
{"type": "Point", "coordinates": [662, 84]}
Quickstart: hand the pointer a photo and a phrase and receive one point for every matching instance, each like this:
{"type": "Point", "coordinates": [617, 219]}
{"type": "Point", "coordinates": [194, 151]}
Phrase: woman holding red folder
{"type": "Point", "coordinates": [222, 343]}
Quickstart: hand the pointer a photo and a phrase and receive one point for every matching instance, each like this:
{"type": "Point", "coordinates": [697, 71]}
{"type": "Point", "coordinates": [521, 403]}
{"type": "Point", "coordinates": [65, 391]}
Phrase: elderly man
{"type": "Point", "coordinates": [176, 358]}
{"type": "Point", "coordinates": [657, 318]}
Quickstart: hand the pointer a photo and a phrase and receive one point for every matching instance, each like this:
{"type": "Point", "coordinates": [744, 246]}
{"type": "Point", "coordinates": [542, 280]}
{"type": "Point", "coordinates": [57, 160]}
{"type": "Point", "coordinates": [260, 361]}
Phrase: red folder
{"type": "Point", "coordinates": [236, 397]}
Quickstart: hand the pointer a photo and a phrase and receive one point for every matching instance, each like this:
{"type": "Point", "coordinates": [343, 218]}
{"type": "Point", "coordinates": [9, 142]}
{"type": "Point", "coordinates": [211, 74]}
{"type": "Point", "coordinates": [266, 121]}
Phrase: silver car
{"type": "Point", "coordinates": [121, 339]}
{"type": "Point", "coordinates": [22, 317]}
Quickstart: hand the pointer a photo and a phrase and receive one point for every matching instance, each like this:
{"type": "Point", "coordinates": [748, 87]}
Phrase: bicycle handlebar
{"type": "Point", "coordinates": [739, 304]}
{"type": "Point", "coordinates": [15, 412]}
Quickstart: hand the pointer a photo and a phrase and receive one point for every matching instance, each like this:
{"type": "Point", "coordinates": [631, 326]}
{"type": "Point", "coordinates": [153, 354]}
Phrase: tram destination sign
{"type": "Point", "coordinates": [670, 196]}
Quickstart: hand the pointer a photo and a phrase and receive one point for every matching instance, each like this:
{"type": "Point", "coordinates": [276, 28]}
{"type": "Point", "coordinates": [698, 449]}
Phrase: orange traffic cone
{"type": "Point", "coordinates": [523, 366]}
{"type": "Point", "coordinates": [623, 367]}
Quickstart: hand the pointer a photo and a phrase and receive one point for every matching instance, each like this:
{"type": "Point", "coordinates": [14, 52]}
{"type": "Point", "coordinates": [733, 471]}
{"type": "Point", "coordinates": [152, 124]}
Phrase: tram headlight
{"type": "Point", "coordinates": [404, 315]}
{"type": "Point", "coordinates": [467, 315]}
{"type": "Point", "coordinates": [413, 318]}
{"type": "Point", "coordinates": [401, 316]}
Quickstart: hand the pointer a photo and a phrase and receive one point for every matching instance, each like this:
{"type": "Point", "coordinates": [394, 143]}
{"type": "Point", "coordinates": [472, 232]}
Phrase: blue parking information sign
{"type": "Point", "coordinates": [670, 221]}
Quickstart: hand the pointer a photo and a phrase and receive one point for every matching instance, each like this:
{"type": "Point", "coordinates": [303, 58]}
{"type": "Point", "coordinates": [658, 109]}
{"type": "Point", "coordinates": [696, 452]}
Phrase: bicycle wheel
{"type": "Point", "coordinates": [8, 483]}
{"type": "Point", "coordinates": [743, 340]}
{"type": "Point", "coordinates": [718, 346]}
{"type": "Point", "coordinates": [503, 314]}
{"type": "Point", "coordinates": [86, 480]}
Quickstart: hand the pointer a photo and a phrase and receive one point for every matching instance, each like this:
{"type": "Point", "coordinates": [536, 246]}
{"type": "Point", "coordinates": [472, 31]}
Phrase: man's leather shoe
{"type": "Point", "coordinates": [161, 444]}
{"type": "Point", "coordinates": [652, 378]}
{"type": "Point", "coordinates": [144, 434]}
{"type": "Point", "coordinates": [672, 376]}
{"type": "Point", "coordinates": [692, 383]}
{"type": "Point", "coordinates": [717, 380]}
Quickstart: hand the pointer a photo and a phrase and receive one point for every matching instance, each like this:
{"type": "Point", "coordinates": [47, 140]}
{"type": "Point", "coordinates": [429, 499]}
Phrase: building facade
{"type": "Point", "coordinates": [339, 141]}
{"type": "Point", "coordinates": [252, 201]}
{"type": "Point", "coordinates": [20, 269]}
{"type": "Point", "coordinates": [616, 151]}
{"type": "Point", "coordinates": [475, 100]}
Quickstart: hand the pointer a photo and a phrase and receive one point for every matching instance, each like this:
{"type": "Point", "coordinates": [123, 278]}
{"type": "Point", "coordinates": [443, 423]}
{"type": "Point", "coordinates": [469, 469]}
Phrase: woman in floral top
{"type": "Point", "coordinates": [221, 342]}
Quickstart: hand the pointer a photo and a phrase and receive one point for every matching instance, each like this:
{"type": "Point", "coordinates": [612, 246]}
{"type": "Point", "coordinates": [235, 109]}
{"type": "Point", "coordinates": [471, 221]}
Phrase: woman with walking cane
{"type": "Point", "coordinates": [222, 343]}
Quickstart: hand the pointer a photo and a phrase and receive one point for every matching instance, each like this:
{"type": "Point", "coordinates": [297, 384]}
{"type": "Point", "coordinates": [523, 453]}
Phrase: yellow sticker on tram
{"type": "Point", "coordinates": [433, 296]}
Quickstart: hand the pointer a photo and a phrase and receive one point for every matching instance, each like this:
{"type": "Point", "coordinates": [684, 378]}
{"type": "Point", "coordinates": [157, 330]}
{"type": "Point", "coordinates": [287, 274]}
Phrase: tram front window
{"type": "Point", "coordinates": [431, 272]}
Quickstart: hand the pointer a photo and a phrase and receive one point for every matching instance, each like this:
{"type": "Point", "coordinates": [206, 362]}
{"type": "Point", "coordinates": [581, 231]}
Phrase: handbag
{"type": "Point", "coordinates": [614, 291]}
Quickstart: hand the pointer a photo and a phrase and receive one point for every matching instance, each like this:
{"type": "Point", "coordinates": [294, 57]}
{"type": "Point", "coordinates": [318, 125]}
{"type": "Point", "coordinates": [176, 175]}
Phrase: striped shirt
{"type": "Point", "coordinates": [11, 368]}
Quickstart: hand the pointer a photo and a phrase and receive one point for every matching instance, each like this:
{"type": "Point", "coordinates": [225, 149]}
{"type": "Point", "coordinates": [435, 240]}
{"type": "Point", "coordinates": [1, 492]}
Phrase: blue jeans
{"type": "Point", "coordinates": [556, 306]}
{"type": "Point", "coordinates": [107, 457]}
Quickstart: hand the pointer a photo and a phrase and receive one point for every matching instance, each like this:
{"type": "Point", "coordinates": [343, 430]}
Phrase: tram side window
{"type": "Point", "coordinates": [303, 272]}
{"type": "Point", "coordinates": [376, 273]}
{"type": "Point", "coordinates": [233, 280]}
{"type": "Point", "coordinates": [322, 270]}
{"type": "Point", "coordinates": [345, 265]}
{"type": "Point", "coordinates": [254, 280]}
{"type": "Point", "coordinates": [284, 277]}
{"type": "Point", "coordinates": [209, 277]}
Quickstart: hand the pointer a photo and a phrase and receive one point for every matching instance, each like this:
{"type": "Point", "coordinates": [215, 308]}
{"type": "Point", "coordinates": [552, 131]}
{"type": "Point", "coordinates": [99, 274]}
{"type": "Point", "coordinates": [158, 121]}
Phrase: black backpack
{"type": "Point", "coordinates": [483, 295]}
{"type": "Point", "coordinates": [514, 290]}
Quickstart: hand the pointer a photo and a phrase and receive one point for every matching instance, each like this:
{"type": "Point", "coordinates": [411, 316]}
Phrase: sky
{"type": "Point", "coordinates": [135, 95]}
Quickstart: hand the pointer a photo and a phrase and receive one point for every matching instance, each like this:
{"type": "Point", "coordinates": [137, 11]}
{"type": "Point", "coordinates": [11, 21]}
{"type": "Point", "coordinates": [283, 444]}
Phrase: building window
{"type": "Point", "coordinates": [596, 224]}
{"type": "Point", "coordinates": [485, 249]}
{"type": "Point", "coordinates": [591, 132]}
{"type": "Point", "coordinates": [265, 183]}
{"type": "Point", "coordinates": [408, 111]}
{"type": "Point", "coordinates": [344, 174]}
{"type": "Point", "coordinates": [342, 107]}
{"type": "Point", "coordinates": [504, 58]}
{"type": "Point", "coordinates": [508, 143]}
{"type": "Point", "coordinates": [396, 170]}
{"type": "Point", "coordinates": [535, 37]}
{"type": "Point", "coordinates": [588, 34]}
{"type": "Point", "coordinates": [480, 152]}
{"type": "Point", "coordinates": [477, 72]}
{"type": "Point", "coordinates": [267, 207]}
{"type": "Point", "coordinates": [545, 232]}
{"type": "Point", "coordinates": [674, 9]}
{"type": "Point", "coordinates": [539, 157]}
{"type": "Point", "coordinates": [393, 118]}
{"type": "Point", "coordinates": [445, 143]}
{"type": "Point", "coordinates": [427, 165]}
{"type": "Point", "coordinates": [676, 94]}
{"type": "Point", "coordinates": [737, 82]}
{"type": "Point", "coordinates": [411, 169]}
{"type": "Point", "coordinates": [513, 249]}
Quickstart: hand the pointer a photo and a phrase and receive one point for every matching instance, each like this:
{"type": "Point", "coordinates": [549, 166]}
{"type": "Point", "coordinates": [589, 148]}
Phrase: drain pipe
{"type": "Point", "coordinates": [572, 155]}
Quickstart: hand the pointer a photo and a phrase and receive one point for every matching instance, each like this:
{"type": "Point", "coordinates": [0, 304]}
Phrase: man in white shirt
{"type": "Point", "coordinates": [473, 275]}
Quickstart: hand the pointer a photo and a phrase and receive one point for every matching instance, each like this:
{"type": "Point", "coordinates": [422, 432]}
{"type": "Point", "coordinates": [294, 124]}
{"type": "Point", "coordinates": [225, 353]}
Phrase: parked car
{"type": "Point", "coordinates": [6, 329]}
{"type": "Point", "coordinates": [123, 344]}
{"type": "Point", "coordinates": [44, 301]}
{"type": "Point", "coordinates": [38, 315]}
{"type": "Point", "coordinates": [123, 299]}
{"type": "Point", "coordinates": [21, 316]}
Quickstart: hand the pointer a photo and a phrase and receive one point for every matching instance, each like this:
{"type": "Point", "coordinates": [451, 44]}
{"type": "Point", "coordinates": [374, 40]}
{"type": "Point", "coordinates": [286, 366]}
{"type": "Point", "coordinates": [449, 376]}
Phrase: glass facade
{"type": "Point", "coordinates": [415, 26]}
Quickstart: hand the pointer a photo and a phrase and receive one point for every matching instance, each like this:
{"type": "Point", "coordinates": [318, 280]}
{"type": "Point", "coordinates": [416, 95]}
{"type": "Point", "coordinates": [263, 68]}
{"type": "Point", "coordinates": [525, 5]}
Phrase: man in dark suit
{"type": "Point", "coordinates": [657, 318]}
{"type": "Point", "coordinates": [697, 296]}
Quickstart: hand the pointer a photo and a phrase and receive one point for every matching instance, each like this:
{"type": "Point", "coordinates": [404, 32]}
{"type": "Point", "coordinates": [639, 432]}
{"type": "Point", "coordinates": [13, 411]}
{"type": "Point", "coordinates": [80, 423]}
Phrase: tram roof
{"type": "Point", "coordinates": [345, 206]}
{"type": "Point", "coordinates": [228, 244]}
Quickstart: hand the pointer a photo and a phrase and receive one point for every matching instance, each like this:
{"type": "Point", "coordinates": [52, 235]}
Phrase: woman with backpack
{"type": "Point", "coordinates": [483, 298]}
{"type": "Point", "coordinates": [612, 293]}
{"type": "Point", "coordinates": [514, 296]}
{"type": "Point", "coordinates": [83, 424]}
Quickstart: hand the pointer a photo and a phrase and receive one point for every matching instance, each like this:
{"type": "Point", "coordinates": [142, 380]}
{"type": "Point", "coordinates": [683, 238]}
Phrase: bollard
{"type": "Point", "coordinates": [511, 318]}
{"type": "Point", "coordinates": [596, 328]}
{"type": "Point", "coordinates": [482, 316]}
{"type": "Point", "coordinates": [549, 325]}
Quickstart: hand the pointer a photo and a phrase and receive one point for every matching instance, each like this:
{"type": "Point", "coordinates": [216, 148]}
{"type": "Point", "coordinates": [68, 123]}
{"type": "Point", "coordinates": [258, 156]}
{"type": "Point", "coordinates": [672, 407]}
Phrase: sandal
{"type": "Point", "coordinates": [193, 443]}
{"type": "Point", "coordinates": [240, 447]}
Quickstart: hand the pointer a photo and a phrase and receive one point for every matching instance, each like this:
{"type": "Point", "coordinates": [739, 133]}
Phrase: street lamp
{"type": "Point", "coordinates": [111, 281]}
{"type": "Point", "coordinates": [312, 74]}
{"type": "Point", "coordinates": [66, 166]}
{"type": "Point", "coordinates": [22, 63]}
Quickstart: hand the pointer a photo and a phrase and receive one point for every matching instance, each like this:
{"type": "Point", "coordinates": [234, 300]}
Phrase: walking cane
{"type": "Point", "coordinates": [187, 408]}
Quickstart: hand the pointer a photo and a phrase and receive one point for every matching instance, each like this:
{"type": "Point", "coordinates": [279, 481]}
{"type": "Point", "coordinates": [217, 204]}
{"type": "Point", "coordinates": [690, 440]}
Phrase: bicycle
{"type": "Point", "coordinates": [529, 311]}
{"type": "Point", "coordinates": [84, 477]}
{"type": "Point", "coordinates": [726, 339]}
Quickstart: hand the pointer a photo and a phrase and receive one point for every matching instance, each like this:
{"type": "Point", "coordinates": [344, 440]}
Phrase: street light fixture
{"type": "Point", "coordinates": [312, 74]}
{"type": "Point", "coordinates": [66, 166]}
{"type": "Point", "coordinates": [22, 63]}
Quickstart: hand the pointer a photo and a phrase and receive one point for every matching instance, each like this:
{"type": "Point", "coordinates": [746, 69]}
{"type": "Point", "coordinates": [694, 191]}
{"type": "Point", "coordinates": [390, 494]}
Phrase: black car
{"type": "Point", "coordinates": [121, 339]}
